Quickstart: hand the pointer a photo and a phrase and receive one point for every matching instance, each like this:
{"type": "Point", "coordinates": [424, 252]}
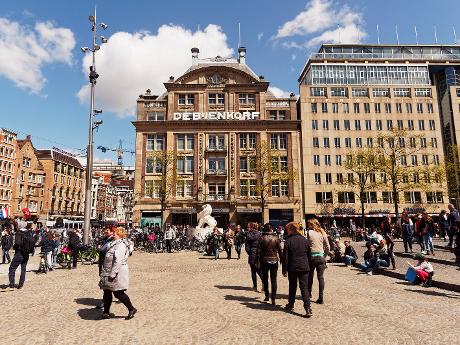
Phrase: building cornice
{"type": "Point", "coordinates": [207, 125]}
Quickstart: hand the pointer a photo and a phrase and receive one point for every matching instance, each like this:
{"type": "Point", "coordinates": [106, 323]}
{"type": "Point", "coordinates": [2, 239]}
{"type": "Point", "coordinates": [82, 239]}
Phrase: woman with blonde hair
{"type": "Point", "coordinates": [114, 277]}
{"type": "Point", "coordinates": [317, 257]}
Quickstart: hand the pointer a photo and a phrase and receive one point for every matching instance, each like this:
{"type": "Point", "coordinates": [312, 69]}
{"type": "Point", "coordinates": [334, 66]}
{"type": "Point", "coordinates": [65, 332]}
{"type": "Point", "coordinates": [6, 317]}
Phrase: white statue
{"type": "Point", "coordinates": [206, 223]}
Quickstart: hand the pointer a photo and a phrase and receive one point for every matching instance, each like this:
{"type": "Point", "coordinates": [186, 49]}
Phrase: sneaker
{"type": "Point", "coordinates": [320, 300]}
{"type": "Point", "coordinates": [308, 313]}
{"type": "Point", "coordinates": [105, 316]}
{"type": "Point", "coordinates": [369, 273]}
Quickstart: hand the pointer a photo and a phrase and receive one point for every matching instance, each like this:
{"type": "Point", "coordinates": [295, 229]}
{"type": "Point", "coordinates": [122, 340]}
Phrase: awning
{"type": "Point", "coordinates": [248, 210]}
{"type": "Point", "coordinates": [182, 210]}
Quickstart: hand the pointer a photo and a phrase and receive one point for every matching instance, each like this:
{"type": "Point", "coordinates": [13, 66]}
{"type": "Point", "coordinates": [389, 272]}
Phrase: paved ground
{"type": "Point", "coordinates": [184, 298]}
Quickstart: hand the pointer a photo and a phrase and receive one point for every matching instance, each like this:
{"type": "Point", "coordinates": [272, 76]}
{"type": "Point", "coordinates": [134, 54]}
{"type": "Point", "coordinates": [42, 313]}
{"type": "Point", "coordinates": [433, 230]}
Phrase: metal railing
{"type": "Point", "coordinates": [217, 172]}
{"type": "Point", "coordinates": [216, 197]}
{"type": "Point", "coordinates": [382, 55]}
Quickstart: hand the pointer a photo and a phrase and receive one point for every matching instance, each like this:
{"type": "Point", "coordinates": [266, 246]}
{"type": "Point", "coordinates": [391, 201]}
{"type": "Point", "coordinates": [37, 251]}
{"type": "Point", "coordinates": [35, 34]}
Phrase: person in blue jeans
{"type": "Point", "coordinates": [350, 255]}
{"type": "Point", "coordinates": [407, 232]}
{"type": "Point", "coordinates": [428, 231]}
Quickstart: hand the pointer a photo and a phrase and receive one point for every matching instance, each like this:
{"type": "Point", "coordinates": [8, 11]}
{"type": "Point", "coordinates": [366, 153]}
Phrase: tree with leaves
{"type": "Point", "coordinates": [393, 152]}
{"type": "Point", "coordinates": [452, 167]}
{"type": "Point", "coordinates": [361, 164]}
{"type": "Point", "coordinates": [163, 163]}
{"type": "Point", "coordinates": [271, 171]}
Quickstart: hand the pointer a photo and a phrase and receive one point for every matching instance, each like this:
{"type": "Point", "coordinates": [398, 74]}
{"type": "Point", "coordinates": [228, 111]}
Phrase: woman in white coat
{"type": "Point", "coordinates": [114, 276]}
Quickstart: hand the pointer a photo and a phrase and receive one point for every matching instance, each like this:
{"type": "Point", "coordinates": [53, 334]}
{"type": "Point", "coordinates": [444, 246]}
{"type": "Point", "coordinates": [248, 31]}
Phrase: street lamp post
{"type": "Point", "coordinates": [89, 151]}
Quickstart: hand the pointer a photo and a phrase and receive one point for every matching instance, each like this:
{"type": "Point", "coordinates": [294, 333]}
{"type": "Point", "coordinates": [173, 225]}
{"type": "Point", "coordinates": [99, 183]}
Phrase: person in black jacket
{"type": "Point", "coordinates": [295, 266]}
{"type": "Point", "coordinates": [21, 256]}
{"type": "Point", "coordinates": [74, 245]}
{"type": "Point", "coordinates": [7, 243]}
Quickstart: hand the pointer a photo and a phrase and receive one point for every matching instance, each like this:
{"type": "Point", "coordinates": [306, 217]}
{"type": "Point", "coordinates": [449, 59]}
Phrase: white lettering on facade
{"type": "Point", "coordinates": [217, 115]}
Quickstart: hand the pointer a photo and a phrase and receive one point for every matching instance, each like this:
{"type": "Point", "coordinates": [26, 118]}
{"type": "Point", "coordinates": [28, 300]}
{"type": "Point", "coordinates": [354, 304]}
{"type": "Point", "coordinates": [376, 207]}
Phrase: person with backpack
{"type": "Point", "coordinates": [74, 245]}
{"type": "Point", "coordinates": [24, 245]}
{"type": "Point", "coordinates": [7, 243]}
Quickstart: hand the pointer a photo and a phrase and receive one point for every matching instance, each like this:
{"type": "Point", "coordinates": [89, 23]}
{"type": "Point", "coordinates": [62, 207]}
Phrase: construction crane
{"type": "Point", "coordinates": [119, 150]}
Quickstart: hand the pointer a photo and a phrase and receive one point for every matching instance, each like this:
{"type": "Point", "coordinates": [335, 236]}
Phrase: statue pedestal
{"type": "Point", "coordinates": [202, 233]}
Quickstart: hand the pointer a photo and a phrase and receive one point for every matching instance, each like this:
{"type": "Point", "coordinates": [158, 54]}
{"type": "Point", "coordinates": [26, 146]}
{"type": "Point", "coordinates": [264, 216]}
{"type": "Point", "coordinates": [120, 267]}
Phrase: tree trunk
{"type": "Point", "coordinates": [162, 211]}
{"type": "Point", "coordinates": [363, 219]}
{"type": "Point", "coordinates": [262, 204]}
{"type": "Point", "coordinates": [395, 200]}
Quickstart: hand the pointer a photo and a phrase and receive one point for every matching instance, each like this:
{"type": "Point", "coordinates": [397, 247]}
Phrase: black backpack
{"type": "Point", "coordinates": [28, 243]}
{"type": "Point", "coordinates": [5, 240]}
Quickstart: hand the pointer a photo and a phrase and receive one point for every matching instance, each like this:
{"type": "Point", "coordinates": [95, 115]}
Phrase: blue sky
{"type": "Point", "coordinates": [41, 66]}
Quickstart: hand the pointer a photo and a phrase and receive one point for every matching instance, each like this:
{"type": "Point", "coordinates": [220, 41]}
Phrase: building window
{"type": "Point", "coordinates": [317, 178]}
{"type": "Point", "coordinates": [414, 160]}
{"type": "Point", "coordinates": [348, 142]}
{"type": "Point", "coordinates": [336, 125]}
{"type": "Point", "coordinates": [326, 125]}
{"type": "Point", "coordinates": [335, 107]}
{"type": "Point", "coordinates": [318, 91]}
{"type": "Point", "coordinates": [316, 160]}
{"type": "Point", "coordinates": [368, 125]}
{"type": "Point", "coordinates": [370, 197]}
{"type": "Point", "coordinates": [185, 141]}
{"type": "Point", "coordinates": [279, 164]}
{"type": "Point", "coordinates": [186, 99]}
{"type": "Point", "coordinates": [430, 108]}
{"type": "Point", "coordinates": [425, 159]}
{"type": "Point", "coordinates": [346, 124]}
{"type": "Point", "coordinates": [314, 108]}
{"type": "Point", "coordinates": [402, 92]}
{"type": "Point", "coordinates": [152, 189]}
{"type": "Point", "coordinates": [337, 142]}
{"type": "Point", "coordinates": [216, 98]}
{"type": "Point", "coordinates": [423, 142]}
{"type": "Point", "coordinates": [380, 92]}
{"type": "Point", "coordinates": [370, 142]}
{"type": "Point", "coordinates": [155, 142]}
{"type": "Point", "coordinates": [327, 160]}
{"type": "Point", "coordinates": [359, 142]}
{"type": "Point", "coordinates": [400, 124]}
{"type": "Point", "coordinates": [346, 108]}
{"type": "Point", "coordinates": [425, 92]}
{"type": "Point", "coordinates": [216, 142]}
{"type": "Point", "coordinates": [377, 108]}
{"type": "Point", "coordinates": [421, 125]}
{"type": "Point", "coordinates": [315, 142]}
{"type": "Point", "coordinates": [324, 198]}
{"type": "Point", "coordinates": [409, 108]}
{"type": "Point", "coordinates": [339, 178]}
{"type": "Point", "coordinates": [247, 98]}
{"type": "Point", "coordinates": [346, 197]}
{"type": "Point", "coordinates": [338, 160]}
{"type": "Point", "coordinates": [328, 178]}
{"type": "Point", "coordinates": [398, 108]}
{"type": "Point", "coordinates": [216, 191]}
{"type": "Point", "coordinates": [156, 116]}
{"type": "Point", "coordinates": [314, 125]}
{"type": "Point", "coordinates": [389, 124]}
{"type": "Point", "coordinates": [247, 164]}
{"type": "Point", "coordinates": [248, 187]}
{"type": "Point", "coordinates": [388, 108]}
{"type": "Point", "coordinates": [413, 197]}
{"type": "Point", "coordinates": [278, 141]}
{"type": "Point", "coordinates": [324, 107]}
{"type": "Point", "coordinates": [432, 125]}
{"type": "Point", "coordinates": [378, 124]}
{"type": "Point", "coordinates": [419, 108]}
{"type": "Point", "coordinates": [410, 125]}
{"type": "Point", "coordinates": [280, 188]}
{"type": "Point", "coordinates": [367, 108]}
{"type": "Point", "coordinates": [247, 140]}
{"type": "Point", "coordinates": [356, 108]}
{"type": "Point", "coordinates": [434, 198]}
{"type": "Point", "coordinates": [184, 189]}
{"type": "Point", "coordinates": [434, 142]}
{"type": "Point", "coordinates": [326, 142]}
{"type": "Point", "coordinates": [358, 125]}
{"type": "Point", "coordinates": [184, 165]}
{"type": "Point", "coordinates": [216, 165]}
{"type": "Point", "coordinates": [277, 115]}
{"type": "Point", "coordinates": [338, 92]}
{"type": "Point", "coordinates": [359, 92]}
{"type": "Point", "coordinates": [387, 197]}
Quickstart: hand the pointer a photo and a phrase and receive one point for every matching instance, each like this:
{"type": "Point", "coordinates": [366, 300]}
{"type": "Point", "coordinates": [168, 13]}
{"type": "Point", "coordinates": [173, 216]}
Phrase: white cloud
{"type": "Point", "coordinates": [24, 51]}
{"type": "Point", "coordinates": [260, 35]}
{"type": "Point", "coordinates": [130, 63]}
{"type": "Point", "coordinates": [323, 21]}
{"type": "Point", "coordinates": [278, 92]}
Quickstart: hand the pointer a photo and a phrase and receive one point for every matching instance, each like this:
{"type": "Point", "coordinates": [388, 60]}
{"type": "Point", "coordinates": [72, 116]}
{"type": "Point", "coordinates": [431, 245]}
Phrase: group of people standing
{"type": "Point", "coordinates": [302, 254]}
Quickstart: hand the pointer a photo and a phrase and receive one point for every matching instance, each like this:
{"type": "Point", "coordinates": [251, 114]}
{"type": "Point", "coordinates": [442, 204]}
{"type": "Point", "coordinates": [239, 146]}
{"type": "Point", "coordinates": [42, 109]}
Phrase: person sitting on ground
{"type": "Point", "coordinates": [380, 259]}
{"type": "Point", "coordinates": [338, 252]}
{"type": "Point", "coordinates": [423, 269]}
{"type": "Point", "coordinates": [350, 255]}
{"type": "Point", "coordinates": [368, 255]}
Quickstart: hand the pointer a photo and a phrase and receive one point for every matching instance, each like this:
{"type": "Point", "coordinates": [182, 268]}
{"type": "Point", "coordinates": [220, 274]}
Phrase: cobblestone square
{"type": "Point", "coordinates": [187, 298]}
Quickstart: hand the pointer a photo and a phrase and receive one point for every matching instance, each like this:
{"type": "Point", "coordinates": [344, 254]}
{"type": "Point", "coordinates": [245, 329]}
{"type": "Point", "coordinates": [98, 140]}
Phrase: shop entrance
{"type": "Point", "coordinates": [281, 216]}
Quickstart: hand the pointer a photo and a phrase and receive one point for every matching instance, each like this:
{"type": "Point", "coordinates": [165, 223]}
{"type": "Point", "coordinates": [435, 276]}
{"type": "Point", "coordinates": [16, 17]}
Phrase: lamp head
{"type": "Point", "coordinates": [103, 25]}
{"type": "Point", "coordinates": [91, 19]}
{"type": "Point", "coordinates": [104, 39]}
{"type": "Point", "coordinates": [97, 111]}
{"type": "Point", "coordinates": [84, 49]}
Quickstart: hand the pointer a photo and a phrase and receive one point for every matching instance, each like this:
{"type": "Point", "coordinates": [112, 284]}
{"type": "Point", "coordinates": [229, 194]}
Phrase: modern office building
{"type": "Point", "coordinates": [215, 119]}
{"type": "Point", "coordinates": [8, 159]}
{"type": "Point", "coordinates": [351, 94]}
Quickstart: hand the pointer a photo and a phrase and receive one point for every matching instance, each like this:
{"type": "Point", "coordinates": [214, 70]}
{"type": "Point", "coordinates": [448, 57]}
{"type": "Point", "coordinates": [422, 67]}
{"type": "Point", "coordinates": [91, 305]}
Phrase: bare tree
{"type": "Point", "coordinates": [273, 173]}
{"type": "Point", "coordinates": [361, 164]}
{"type": "Point", "coordinates": [394, 161]}
{"type": "Point", "coordinates": [162, 163]}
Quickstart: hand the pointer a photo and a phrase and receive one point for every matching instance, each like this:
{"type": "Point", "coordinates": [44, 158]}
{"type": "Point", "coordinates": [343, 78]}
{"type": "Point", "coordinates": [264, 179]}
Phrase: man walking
{"type": "Point", "coordinates": [295, 266]}
{"type": "Point", "coordinates": [7, 243]}
{"type": "Point", "coordinates": [24, 245]}
{"type": "Point", "coordinates": [74, 244]}
{"type": "Point", "coordinates": [169, 236]}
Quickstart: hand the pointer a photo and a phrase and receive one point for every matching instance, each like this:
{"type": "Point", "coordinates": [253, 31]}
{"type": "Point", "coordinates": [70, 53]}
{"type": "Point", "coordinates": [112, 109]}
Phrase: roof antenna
{"type": "Point", "coordinates": [435, 35]}
{"type": "Point", "coordinates": [378, 34]}
{"type": "Point", "coordinates": [416, 34]}
{"type": "Point", "coordinates": [239, 35]}
{"type": "Point", "coordinates": [397, 34]}
{"type": "Point", "coordinates": [455, 34]}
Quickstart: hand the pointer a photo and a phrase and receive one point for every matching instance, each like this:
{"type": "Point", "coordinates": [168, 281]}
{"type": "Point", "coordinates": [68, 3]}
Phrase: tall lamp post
{"type": "Point", "coordinates": [89, 151]}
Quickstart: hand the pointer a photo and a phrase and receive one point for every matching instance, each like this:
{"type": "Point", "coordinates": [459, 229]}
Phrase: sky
{"type": "Point", "coordinates": [43, 73]}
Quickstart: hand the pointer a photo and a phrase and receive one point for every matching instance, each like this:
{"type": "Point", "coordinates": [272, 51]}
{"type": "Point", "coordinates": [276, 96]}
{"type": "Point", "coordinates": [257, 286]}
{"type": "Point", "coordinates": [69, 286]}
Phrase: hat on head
{"type": "Point", "coordinates": [419, 256]}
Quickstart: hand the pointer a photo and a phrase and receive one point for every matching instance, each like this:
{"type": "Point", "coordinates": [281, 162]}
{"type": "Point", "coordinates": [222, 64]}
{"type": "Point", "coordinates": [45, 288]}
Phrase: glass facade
{"type": "Point", "coordinates": [366, 74]}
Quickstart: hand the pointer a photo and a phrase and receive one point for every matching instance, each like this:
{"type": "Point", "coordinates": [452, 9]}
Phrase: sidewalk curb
{"type": "Point", "coordinates": [431, 258]}
{"type": "Point", "coordinates": [401, 276]}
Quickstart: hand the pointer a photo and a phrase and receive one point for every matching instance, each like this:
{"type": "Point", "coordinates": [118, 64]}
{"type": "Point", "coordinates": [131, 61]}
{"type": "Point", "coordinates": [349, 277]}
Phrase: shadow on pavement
{"type": "Point", "coordinates": [88, 301]}
{"type": "Point", "coordinates": [435, 293]}
{"type": "Point", "coordinates": [255, 303]}
{"type": "Point", "coordinates": [94, 314]}
{"type": "Point", "coordinates": [233, 287]}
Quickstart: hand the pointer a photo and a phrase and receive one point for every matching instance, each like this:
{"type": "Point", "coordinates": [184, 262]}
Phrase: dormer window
{"type": "Point", "coordinates": [186, 99]}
